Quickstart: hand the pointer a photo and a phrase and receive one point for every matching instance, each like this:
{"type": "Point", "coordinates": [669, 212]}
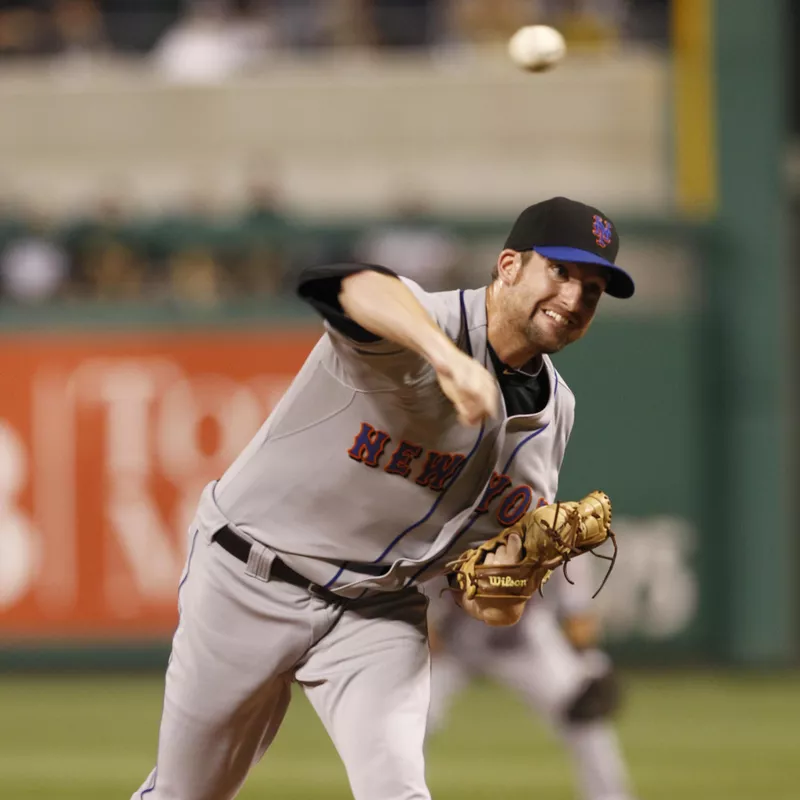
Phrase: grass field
{"type": "Point", "coordinates": [702, 736]}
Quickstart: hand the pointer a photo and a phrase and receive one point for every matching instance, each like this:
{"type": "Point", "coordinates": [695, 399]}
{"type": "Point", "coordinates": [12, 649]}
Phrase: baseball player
{"type": "Point", "coordinates": [551, 659]}
{"type": "Point", "coordinates": [420, 426]}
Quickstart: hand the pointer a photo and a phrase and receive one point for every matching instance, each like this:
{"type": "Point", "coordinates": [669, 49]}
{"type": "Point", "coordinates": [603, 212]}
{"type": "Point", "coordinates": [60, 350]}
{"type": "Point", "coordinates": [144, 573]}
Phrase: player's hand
{"type": "Point", "coordinates": [469, 386]}
{"type": "Point", "coordinates": [498, 612]}
{"type": "Point", "coordinates": [507, 554]}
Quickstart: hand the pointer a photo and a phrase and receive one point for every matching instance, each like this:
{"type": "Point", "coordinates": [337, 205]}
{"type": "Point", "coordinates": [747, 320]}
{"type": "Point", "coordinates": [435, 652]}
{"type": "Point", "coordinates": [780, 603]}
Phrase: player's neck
{"type": "Point", "coordinates": [509, 345]}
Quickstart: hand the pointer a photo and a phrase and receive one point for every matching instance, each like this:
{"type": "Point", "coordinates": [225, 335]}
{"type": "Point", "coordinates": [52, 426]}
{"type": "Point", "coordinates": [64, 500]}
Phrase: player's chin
{"type": "Point", "coordinates": [550, 342]}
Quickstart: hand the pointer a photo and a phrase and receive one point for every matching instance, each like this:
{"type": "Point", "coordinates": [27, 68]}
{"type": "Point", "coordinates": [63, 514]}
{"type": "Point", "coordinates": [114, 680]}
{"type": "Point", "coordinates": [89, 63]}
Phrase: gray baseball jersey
{"type": "Point", "coordinates": [362, 477]}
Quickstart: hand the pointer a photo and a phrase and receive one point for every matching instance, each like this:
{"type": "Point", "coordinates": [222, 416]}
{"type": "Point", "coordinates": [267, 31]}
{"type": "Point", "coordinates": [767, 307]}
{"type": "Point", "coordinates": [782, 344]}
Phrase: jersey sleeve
{"type": "Point", "coordinates": [320, 287]}
{"type": "Point", "coordinates": [357, 356]}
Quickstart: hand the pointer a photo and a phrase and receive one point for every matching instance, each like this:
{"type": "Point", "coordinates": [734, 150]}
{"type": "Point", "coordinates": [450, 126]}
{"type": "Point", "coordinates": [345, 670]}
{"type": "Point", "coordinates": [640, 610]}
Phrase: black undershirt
{"type": "Point", "coordinates": [523, 392]}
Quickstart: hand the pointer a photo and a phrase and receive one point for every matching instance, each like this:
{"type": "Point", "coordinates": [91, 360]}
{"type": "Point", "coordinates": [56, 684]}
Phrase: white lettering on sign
{"type": "Point", "coordinates": [233, 409]}
{"type": "Point", "coordinates": [19, 541]}
{"type": "Point", "coordinates": [127, 443]}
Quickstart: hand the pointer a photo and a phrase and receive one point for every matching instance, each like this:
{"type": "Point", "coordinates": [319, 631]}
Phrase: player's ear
{"type": "Point", "coordinates": [509, 264]}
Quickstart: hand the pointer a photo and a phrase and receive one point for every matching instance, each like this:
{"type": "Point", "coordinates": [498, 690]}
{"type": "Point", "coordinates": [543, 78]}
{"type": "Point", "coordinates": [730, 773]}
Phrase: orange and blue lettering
{"type": "Point", "coordinates": [498, 483]}
{"type": "Point", "coordinates": [400, 463]}
{"type": "Point", "coordinates": [438, 468]}
{"type": "Point", "coordinates": [515, 505]}
{"type": "Point", "coordinates": [368, 445]}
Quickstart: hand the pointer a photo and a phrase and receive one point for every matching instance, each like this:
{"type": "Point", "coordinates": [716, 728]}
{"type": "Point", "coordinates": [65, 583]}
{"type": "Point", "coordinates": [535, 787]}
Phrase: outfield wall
{"type": "Point", "coordinates": [115, 418]}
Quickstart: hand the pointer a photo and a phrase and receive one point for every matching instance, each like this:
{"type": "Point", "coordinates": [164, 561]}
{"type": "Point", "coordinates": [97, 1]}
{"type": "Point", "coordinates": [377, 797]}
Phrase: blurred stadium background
{"type": "Point", "coordinates": [166, 169]}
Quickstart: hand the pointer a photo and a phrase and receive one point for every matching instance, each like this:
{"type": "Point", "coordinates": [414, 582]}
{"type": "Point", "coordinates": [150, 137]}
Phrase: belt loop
{"type": "Point", "coordinates": [259, 563]}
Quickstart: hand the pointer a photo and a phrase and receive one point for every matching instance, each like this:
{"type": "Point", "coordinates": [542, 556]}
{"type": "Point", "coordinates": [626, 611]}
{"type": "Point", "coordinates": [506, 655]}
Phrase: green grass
{"type": "Point", "coordinates": [700, 736]}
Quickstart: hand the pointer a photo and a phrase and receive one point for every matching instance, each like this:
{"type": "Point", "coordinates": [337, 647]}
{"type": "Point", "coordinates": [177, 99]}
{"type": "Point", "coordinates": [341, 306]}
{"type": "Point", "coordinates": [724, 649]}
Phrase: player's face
{"type": "Point", "coordinates": [553, 302]}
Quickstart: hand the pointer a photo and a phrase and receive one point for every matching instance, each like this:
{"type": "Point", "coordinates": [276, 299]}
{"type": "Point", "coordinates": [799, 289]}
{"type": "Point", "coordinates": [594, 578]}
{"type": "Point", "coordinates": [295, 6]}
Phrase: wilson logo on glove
{"type": "Point", "coordinates": [506, 580]}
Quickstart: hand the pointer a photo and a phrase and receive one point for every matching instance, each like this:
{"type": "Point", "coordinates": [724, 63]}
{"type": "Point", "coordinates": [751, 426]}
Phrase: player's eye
{"type": "Point", "coordinates": [559, 271]}
{"type": "Point", "coordinates": [592, 292]}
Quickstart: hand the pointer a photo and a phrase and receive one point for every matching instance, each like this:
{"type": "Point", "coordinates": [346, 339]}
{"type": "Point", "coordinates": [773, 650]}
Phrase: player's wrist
{"type": "Point", "coordinates": [438, 350]}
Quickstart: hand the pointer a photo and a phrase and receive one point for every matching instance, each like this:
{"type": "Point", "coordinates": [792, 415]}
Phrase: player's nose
{"type": "Point", "coordinates": [571, 295]}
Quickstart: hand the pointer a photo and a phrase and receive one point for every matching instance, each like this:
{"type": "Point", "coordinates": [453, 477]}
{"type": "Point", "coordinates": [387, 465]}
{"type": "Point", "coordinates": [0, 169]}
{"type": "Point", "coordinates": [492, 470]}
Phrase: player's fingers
{"type": "Point", "coordinates": [508, 553]}
{"type": "Point", "coordinates": [478, 406]}
{"type": "Point", "coordinates": [469, 413]}
{"type": "Point", "coordinates": [514, 548]}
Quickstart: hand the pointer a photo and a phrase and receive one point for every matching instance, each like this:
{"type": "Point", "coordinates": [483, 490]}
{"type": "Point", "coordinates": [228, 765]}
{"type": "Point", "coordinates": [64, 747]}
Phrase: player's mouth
{"type": "Point", "coordinates": [558, 319]}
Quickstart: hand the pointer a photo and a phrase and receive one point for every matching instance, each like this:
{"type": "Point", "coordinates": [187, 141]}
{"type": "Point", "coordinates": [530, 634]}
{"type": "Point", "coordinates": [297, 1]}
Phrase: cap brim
{"type": "Point", "coordinates": [620, 284]}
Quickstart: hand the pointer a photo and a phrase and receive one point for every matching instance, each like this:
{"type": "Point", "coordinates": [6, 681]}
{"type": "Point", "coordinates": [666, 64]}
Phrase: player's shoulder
{"type": "Point", "coordinates": [445, 307]}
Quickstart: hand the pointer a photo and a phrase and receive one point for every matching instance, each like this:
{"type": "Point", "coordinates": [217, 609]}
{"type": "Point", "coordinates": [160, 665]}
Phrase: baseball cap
{"type": "Point", "coordinates": [566, 230]}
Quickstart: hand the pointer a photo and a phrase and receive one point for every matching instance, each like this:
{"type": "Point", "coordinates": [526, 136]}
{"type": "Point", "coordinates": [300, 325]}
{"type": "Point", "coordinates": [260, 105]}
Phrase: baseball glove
{"type": "Point", "coordinates": [551, 535]}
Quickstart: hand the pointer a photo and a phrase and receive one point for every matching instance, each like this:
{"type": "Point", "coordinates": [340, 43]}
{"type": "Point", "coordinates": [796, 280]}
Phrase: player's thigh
{"type": "Point", "coordinates": [235, 636]}
{"type": "Point", "coordinates": [369, 681]}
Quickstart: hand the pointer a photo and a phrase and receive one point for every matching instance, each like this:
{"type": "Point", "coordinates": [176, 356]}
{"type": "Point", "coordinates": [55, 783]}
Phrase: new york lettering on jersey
{"type": "Point", "coordinates": [434, 470]}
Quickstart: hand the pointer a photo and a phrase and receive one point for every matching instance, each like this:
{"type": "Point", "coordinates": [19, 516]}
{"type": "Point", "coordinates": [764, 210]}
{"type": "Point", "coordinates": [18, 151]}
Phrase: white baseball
{"type": "Point", "coordinates": [537, 47]}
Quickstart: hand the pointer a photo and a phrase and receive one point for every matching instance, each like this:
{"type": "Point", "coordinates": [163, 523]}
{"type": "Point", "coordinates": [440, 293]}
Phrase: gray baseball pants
{"type": "Point", "coordinates": [241, 642]}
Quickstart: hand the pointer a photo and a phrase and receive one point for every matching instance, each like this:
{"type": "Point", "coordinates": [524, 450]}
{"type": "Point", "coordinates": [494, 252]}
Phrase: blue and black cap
{"type": "Point", "coordinates": [566, 230]}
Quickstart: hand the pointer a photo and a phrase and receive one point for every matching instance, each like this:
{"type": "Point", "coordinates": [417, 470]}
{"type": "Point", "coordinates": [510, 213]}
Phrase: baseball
{"type": "Point", "coordinates": [536, 48]}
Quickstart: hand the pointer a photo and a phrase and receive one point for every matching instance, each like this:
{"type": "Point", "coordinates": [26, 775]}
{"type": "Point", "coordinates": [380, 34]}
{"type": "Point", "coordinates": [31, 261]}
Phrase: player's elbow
{"type": "Point", "coordinates": [364, 287]}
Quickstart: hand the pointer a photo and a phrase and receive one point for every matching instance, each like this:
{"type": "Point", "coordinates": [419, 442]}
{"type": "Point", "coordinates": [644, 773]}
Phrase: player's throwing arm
{"type": "Point", "coordinates": [387, 308]}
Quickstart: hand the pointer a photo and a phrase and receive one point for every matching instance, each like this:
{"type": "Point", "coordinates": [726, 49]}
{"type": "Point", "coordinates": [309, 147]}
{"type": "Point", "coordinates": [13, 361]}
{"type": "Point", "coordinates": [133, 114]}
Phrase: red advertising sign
{"type": "Point", "coordinates": [105, 445]}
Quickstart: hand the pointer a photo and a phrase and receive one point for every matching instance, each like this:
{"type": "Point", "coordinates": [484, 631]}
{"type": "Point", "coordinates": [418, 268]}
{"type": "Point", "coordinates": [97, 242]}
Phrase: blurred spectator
{"type": "Point", "coordinates": [208, 40]}
{"type": "Point", "coordinates": [590, 22]}
{"type": "Point", "coordinates": [649, 21]}
{"type": "Point", "coordinates": [24, 28]}
{"type": "Point", "coordinates": [134, 26]}
{"type": "Point", "coordinates": [581, 21]}
{"type": "Point", "coordinates": [194, 278]}
{"type": "Point", "coordinates": [303, 24]}
{"type": "Point", "coordinates": [193, 225]}
{"type": "Point", "coordinates": [78, 27]}
{"type": "Point", "coordinates": [213, 41]}
{"type": "Point", "coordinates": [104, 253]}
{"type": "Point", "coordinates": [34, 267]}
{"type": "Point", "coordinates": [115, 273]}
{"type": "Point", "coordinates": [414, 247]}
{"type": "Point", "coordinates": [405, 23]}
{"type": "Point", "coordinates": [478, 21]}
{"type": "Point", "coordinates": [12, 223]}
{"type": "Point", "coordinates": [257, 245]}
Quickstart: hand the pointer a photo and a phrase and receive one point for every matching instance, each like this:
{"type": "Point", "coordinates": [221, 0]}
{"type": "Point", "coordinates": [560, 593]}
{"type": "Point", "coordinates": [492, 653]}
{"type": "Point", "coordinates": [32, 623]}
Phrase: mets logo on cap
{"type": "Point", "coordinates": [601, 229]}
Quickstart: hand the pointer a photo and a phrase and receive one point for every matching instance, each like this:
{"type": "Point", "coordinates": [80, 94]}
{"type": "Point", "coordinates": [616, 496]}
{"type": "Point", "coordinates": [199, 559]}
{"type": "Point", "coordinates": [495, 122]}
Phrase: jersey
{"type": "Point", "coordinates": [362, 478]}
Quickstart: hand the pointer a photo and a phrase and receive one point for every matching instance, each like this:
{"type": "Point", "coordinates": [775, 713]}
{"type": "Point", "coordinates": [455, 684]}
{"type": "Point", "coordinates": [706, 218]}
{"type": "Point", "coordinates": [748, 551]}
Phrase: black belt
{"type": "Point", "coordinates": [239, 547]}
